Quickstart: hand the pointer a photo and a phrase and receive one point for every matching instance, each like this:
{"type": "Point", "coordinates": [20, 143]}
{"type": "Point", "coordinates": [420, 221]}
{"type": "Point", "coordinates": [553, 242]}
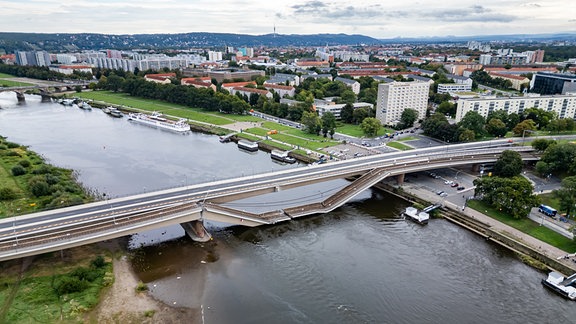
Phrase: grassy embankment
{"type": "Point", "coordinates": [527, 226]}
{"type": "Point", "coordinates": [10, 83]}
{"type": "Point", "coordinates": [293, 137]}
{"type": "Point", "coordinates": [51, 288]}
{"type": "Point", "coordinates": [28, 184]}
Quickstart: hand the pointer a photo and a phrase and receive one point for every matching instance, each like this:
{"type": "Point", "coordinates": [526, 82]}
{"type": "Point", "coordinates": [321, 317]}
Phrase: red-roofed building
{"type": "Point", "coordinates": [231, 85]}
{"type": "Point", "coordinates": [308, 64]}
{"type": "Point", "coordinates": [163, 78]}
{"type": "Point", "coordinates": [249, 91]}
{"type": "Point", "coordinates": [209, 65]}
{"type": "Point", "coordinates": [516, 80]}
{"type": "Point", "coordinates": [281, 90]}
{"type": "Point", "coordinates": [198, 83]}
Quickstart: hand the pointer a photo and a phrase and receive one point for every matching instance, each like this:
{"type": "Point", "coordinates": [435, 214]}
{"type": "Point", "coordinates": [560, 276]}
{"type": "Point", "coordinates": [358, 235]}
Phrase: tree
{"type": "Point", "coordinates": [347, 113]}
{"type": "Point", "coordinates": [513, 196]}
{"type": "Point", "coordinates": [466, 135]}
{"type": "Point", "coordinates": [328, 123]}
{"type": "Point", "coordinates": [541, 144]}
{"type": "Point", "coordinates": [474, 122]}
{"type": "Point", "coordinates": [509, 164]}
{"type": "Point", "coordinates": [567, 194]}
{"type": "Point", "coordinates": [408, 118]}
{"type": "Point", "coordinates": [360, 114]}
{"type": "Point", "coordinates": [311, 122]}
{"type": "Point", "coordinates": [521, 127]}
{"type": "Point", "coordinates": [370, 126]}
{"type": "Point", "coordinates": [446, 108]}
{"type": "Point", "coordinates": [496, 127]}
{"type": "Point", "coordinates": [556, 158]}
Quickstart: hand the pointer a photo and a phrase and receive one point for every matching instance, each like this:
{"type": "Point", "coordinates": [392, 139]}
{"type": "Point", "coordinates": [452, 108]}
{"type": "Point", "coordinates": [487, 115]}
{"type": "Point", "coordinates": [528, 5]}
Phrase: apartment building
{"type": "Point", "coordinates": [563, 105]}
{"type": "Point", "coordinates": [395, 97]}
{"type": "Point", "coordinates": [553, 83]}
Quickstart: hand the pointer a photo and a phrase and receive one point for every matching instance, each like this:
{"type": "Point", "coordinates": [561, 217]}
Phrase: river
{"type": "Point", "coordinates": [361, 263]}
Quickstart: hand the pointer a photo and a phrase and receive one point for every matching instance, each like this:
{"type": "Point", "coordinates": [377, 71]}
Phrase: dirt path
{"type": "Point", "coordinates": [122, 304]}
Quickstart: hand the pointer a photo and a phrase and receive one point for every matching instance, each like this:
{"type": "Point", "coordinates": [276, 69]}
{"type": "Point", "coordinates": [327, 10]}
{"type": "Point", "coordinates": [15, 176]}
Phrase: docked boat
{"type": "Point", "coordinates": [116, 113]}
{"type": "Point", "coordinates": [565, 287]}
{"type": "Point", "coordinates": [282, 156]}
{"type": "Point", "coordinates": [248, 146]}
{"type": "Point", "coordinates": [84, 105]}
{"type": "Point", "coordinates": [421, 217]}
{"type": "Point", "coordinates": [67, 102]}
{"type": "Point", "coordinates": [181, 126]}
{"type": "Point", "coordinates": [107, 110]}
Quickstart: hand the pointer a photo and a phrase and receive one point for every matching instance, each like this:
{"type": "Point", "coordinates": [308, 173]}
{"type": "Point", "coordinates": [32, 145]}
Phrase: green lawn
{"type": "Point", "coordinates": [399, 146]}
{"type": "Point", "coordinates": [6, 76]}
{"type": "Point", "coordinates": [527, 226]}
{"type": "Point", "coordinates": [354, 130]}
{"type": "Point", "coordinates": [8, 83]}
{"type": "Point", "coordinates": [197, 114]}
{"type": "Point", "coordinates": [407, 138]}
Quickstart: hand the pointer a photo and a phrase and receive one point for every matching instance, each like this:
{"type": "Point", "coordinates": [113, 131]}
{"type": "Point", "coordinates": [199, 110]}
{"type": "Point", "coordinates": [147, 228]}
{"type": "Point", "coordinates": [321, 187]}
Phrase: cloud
{"type": "Point", "coordinates": [475, 13]}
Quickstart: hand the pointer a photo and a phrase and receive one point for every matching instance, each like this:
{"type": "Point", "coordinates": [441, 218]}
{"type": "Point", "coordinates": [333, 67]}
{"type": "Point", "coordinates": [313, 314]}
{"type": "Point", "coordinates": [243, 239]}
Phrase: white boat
{"type": "Point", "coordinates": [418, 217]}
{"type": "Point", "coordinates": [84, 105]}
{"type": "Point", "coordinates": [180, 126]}
{"type": "Point", "coordinates": [116, 113]}
{"type": "Point", "coordinates": [107, 109]}
{"type": "Point", "coordinates": [248, 146]}
{"type": "Point", "coordinates": [282, 156]}
{"type": "Point", "coordinates": [67, 102]}
{"type": "Point", "coordinates": [565, 287]}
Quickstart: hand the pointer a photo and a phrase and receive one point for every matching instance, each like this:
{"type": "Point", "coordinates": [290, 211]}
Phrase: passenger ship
{"type": "Point", "coordinates": [156, 120]}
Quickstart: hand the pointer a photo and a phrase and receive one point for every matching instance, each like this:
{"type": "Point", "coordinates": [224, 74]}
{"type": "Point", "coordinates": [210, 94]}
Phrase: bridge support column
{"type": "Point", "coordinates": [20, 96]}
{"type": "Point", "coordinates": [196, 231]}
{"type": "Point", "coordinates": [400, 179]}
{"type": "Point", "coordinates": [476, 167]}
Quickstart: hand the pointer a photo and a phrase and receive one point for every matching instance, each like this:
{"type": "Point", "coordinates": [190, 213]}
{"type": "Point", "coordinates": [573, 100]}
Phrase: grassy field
{"type": "Point", "coordinates": [9, 83]}
{"type": "Point", "coordinates": [354, 130]}
{"type": "Point", "coordinates": [197, 114]}
{"type": "Point", "coordinates": [399, 146]}
{"type": "Point", "coordinates": [527, 226]}
{"type": "Point", "coordinates": [52, 289]}
{"type": "Point", "coordinates": [6, 76]}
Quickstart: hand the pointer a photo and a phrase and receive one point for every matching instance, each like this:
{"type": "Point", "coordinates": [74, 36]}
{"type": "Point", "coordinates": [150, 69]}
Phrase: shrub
{"type": "Point", "coordinates": [141, 287]}
{"type": "Point", "coordinates": [3, 147]}
{"type": "Point", "coordinates": [68, 285]}
{"type": "Point", "coordinates": [7, 193]}
{"type": "Point", "coordinates": [43, 169]}
{"type": "Point", "coordinates": [18, 170]}
{"type": "Point", "coordinates": [98, 262]}
{"type": "Point", "coordinates": [24, 163]}
{"type": "Point", "coordinates": [39, 188]}
{"type": "Point", "coordinates": [12, 145]}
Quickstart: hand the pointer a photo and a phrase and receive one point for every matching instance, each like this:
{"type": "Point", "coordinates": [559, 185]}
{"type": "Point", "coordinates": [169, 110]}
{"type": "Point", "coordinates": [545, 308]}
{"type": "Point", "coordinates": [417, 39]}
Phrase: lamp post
{"type": "Point", "coordinates": [524, 133]}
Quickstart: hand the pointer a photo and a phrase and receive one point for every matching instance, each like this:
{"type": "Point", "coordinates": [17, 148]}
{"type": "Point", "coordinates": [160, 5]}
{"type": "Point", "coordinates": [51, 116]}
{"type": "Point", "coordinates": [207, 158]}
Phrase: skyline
{"type": "Point", "coordinates": [411, 18]}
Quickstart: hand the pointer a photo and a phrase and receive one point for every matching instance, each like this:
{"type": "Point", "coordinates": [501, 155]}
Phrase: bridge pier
{"type": "Point", "coordinates": [196, 231]}
{"type": "Point", "coordinates": [20, 96]}
{"type": "Point", "coordinates": [400, 178]}
{"type": "Point", "coordinates": [476, 167]}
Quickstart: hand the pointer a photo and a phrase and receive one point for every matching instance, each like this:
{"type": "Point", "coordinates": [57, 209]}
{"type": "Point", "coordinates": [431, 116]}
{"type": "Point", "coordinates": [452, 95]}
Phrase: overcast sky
{"type": "Point", "coordinates": [379, 19]}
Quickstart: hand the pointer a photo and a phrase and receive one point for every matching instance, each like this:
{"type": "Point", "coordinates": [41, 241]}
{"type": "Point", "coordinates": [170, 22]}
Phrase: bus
{"type": "Point", "coordinates": [547, 210]}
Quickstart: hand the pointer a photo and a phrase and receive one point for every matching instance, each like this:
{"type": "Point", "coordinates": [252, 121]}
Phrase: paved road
{"type": "Point", "coordinates": [424, 187]}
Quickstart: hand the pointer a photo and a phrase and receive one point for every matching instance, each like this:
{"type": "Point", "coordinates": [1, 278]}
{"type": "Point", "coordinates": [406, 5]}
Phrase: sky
{"type": "Point", "coordinates": [375, 18]}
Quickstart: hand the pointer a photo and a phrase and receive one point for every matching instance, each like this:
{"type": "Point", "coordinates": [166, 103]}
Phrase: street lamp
{"type": "Point", "coordinates": [524, 133]}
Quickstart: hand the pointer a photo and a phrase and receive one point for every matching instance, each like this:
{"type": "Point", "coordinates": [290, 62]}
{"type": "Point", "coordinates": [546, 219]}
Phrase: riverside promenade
{"type": "Point", "coordinates": [533, 243]}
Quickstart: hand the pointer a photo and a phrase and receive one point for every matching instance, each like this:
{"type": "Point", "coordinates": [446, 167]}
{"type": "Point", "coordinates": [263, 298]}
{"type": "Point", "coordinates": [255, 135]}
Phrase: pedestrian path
{"type": "Point", "coordinates": [544, 248]}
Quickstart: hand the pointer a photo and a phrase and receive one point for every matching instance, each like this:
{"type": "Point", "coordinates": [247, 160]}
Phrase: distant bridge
{"type": "Point", "coordinates": [45, 89]}
{"type": "Point", "coordinates": [189, 205]}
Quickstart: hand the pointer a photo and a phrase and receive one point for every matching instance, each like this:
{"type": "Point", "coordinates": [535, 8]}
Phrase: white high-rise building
{"type": "Point", "coordinates": [395, 97]}
{"type": "Point", "coordinates": [214, 56]}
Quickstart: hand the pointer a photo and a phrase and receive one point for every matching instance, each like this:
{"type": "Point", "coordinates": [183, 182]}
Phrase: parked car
{"type": "Point", "coordinates": [460, 188]}
{"type": "Point", "coordinates": [448, 182]}
{"type": "Point", "coordinates": [439, 193]}
{"type": "Point", "coordinates": [454, 185]}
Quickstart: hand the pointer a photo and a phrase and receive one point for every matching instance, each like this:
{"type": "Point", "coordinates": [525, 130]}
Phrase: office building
{"type": "Point", "coordinates": [552, 83]}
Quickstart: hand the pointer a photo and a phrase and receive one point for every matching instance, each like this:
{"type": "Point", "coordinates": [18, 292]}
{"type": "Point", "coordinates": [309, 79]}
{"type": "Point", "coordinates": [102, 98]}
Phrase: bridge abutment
{"type": "Point", "coordinates": [20, 96]}
{"type": "Point", "coordinates": [196, 231]}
